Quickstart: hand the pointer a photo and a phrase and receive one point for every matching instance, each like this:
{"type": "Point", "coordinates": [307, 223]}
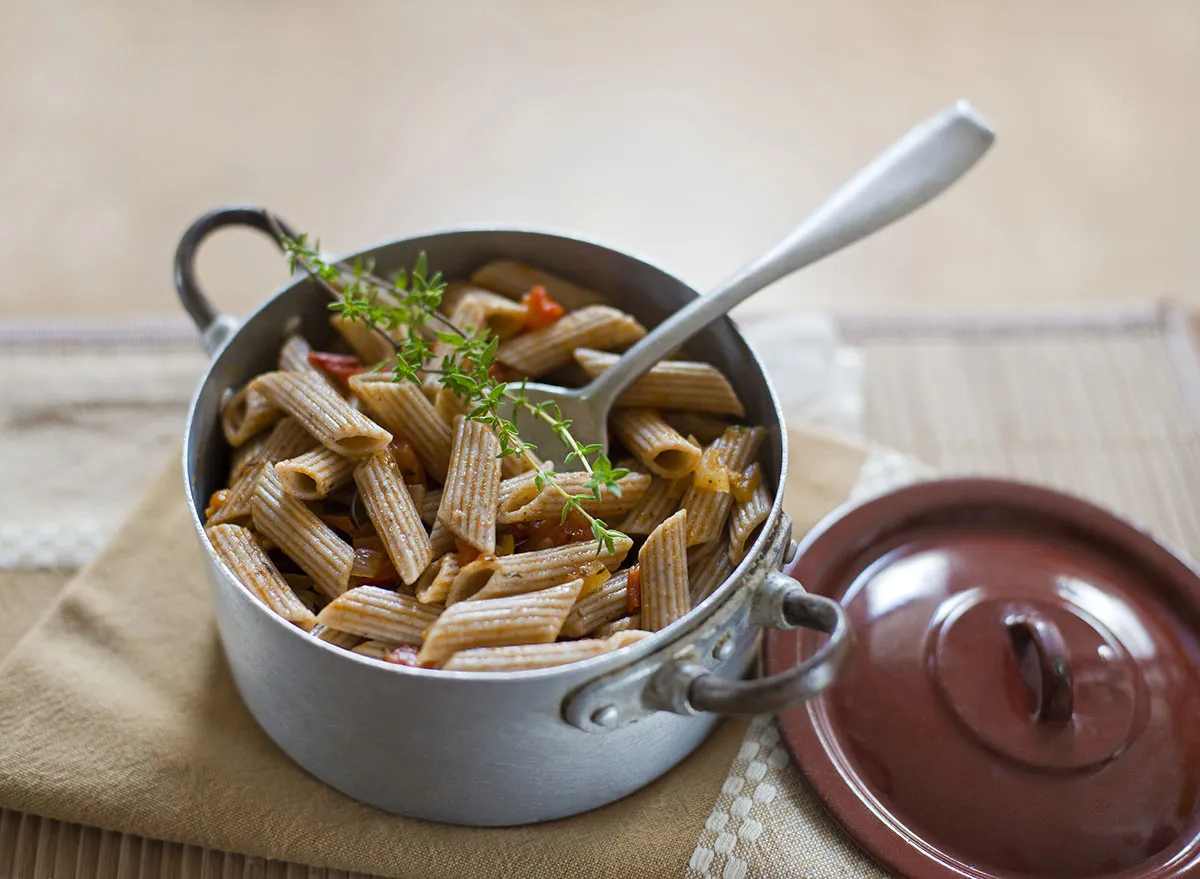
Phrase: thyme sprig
{"type": "Point", "coordinates": [405, 311]}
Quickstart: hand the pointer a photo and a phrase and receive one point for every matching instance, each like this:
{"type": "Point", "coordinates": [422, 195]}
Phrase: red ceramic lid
{"type": "Point", "coordinates": [1024, 696]}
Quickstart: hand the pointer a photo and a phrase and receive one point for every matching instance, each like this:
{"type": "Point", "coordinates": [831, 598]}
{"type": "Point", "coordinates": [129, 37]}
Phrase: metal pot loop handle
{"type": "Point", "coordinates": [690, 688]}
{"type": "Point", "coordinates": [215, 327]}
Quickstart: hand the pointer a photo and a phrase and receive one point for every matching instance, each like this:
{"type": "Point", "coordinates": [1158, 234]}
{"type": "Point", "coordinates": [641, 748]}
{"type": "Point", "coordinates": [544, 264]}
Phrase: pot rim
{"type": "Point", "coordinates": [605, 662]}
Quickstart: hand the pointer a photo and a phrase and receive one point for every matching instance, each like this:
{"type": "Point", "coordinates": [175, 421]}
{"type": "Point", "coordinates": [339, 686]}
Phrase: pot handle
{"type": "Point", "coordinates": [783, 604]}
{"type": "Point", "coordinates": [215, 327]}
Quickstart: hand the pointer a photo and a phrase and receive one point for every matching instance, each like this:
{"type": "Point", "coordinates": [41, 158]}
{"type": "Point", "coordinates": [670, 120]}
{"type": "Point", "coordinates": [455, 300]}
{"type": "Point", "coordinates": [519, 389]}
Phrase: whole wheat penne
{"type": "Point", "coordinates": [605, 605]}
{"type": "Point", "coordinates": [699, 426]}
{"type": "Point", "coordinates": [663, 563]}
{"type": "Point", "coordinates": [293, 356]}
{"type": "Point", "coordinates": [418, 492]}
{"type": "Point", "coordinates": [655, 443]}
{"type": "Point", "coordinates": [429, 505]}
{"type": "Point", "coordinates": [402, 408]}
{"type": "Point", "coordinates": [495, 577]}
{"type": "Point", "coordinates": [709, 565]}
{"type": "Point", "coordinates": [448, 405]}
{"type": "Point", "coordinates": [549, 502]}
{"type": "Point", "coordinates": [435, 582]}
{"type": "Point", "coordinates": [337, 637]}
{"type": "Point", "coordinates": [246, 455]}
{"type": "Point", "coordinates": [374, 649]}
{"type": "Point", "coordinates": [307, 540]}
{"type": "Point", "coordinates": [369, 344]}
{"type": "Point", "coordinates": [708, 510]}
{"type": "Point", "coordinates": [252, 567]}
{"type": "Point", "coordinates": [747, 521]}
{"type": "Point", "coordinates": [442, 539]}
{"type": "Point", "coordinates": [323, 412]}
{"type": "Point", "coordinates": [671, 384]}
{"type": "Point", "coordinates": [515, 279]}
{"type": "Point", "coordinates": [523, 657]}
{"type": "Point", "coordinates": [631, 623]}
{"type": "Point", "coordinates": [532, 618]}
{"type": "Point", "coordinates": [394, 515]}
{"type": "Point", "coordinates": [597, 326]}
{"type": "Point", "coordinates": [516, 491]}
{"type": "Point", "coordinates": [380, 615]}
{"type": "Point", "coordinates": [468, 506]}
{"type": "Point", "coordinates": [286, 440]}
{"type": "Point", "coordinates": [314, 474]}
{"type": "Point", "coordinates": [247, 413]}
{"type": "Point", "coordinates": [477, 311]}
{"type": "Point", "coordinates": [652, 508]}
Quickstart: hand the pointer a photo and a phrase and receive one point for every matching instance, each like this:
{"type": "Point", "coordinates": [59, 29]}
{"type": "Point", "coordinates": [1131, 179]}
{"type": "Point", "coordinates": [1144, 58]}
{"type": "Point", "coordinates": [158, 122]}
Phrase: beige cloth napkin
{"type": "Point", "coordinates": [117, 711]}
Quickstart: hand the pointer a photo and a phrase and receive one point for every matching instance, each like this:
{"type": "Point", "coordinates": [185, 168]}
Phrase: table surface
{"type": "Point", "coordinates": [694, 132]}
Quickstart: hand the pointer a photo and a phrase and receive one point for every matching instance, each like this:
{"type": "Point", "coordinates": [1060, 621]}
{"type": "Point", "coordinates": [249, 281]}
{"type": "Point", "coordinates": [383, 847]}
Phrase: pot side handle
{"type": "Point", "coordinates": [215, 328]}
{"type": "Point", "coordinates": [690, 688]}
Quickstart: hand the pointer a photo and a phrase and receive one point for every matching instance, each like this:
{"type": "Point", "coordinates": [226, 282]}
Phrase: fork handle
{"type": "Point", "coordinates": [906, 175]}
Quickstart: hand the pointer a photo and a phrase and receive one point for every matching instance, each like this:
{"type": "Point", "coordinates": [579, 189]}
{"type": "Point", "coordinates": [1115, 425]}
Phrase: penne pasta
{"type": "Point", "coordinates": [370, 345]}
{"type": "Point", "coordinates": [521, 506]}
{"type": "Point", "coordinates": [307, 540]}
{"type": "Point", "coordinates": [631, 623]}
{"type": "Point", "coordinates": [402, 408]}
{"type": "Point", "coordinates": [531, 618]}
{"type": "Point", "coordinates": [655, 443]}
{"type": "Point", "coordinates": [245, 414]}
{"type": "Point", "coordinates": [435, 583]}
{"type": "Point", "coordinates": [607, 604]}
{"type": "Point", "coordinates": [671, 384]}
{"type": "Point", "coordinates": [448, 405]}
{"type": "Point", "coordinates": [652, 508]}
{"type": "Point", "coordinates": [293, 357]}
{"type": "Point", "coordinates": [514, 280]}
{"type": "Point", "coordinates": [245, 455]}
{"type": "Point", "coordinates": [442, 539]}
{"type": "Point", "coordinates": [236, 547]}
{"type": "Point", "coordinates": [664, 573]}
{"type": "Point", "coordinates": [708, 509]}
{"type": "Point", "coordinates": [429, 505]}
{"type": "Point", "coordinates": [314, 474]}
{"type": "Point", "coordinates": [476, 311]}
{"type": "Point", "coordinates": [323, 412]}
{"type": "Point", "coordinates": [596, 326]}
{"type": "Point", "coordinates": [380, 615]}
{"type": "Point", "coordinates": [524, 657]}
{"type": "Point", "coordinates": [396, 518]}
{"type": "Point", "coordinates": [286, 440]}
{"type": "Point", "coordinates": [336, 637]}
{"type": "Point", "coordinates": [496, 577]}
{"type": "Point", "coordinates": [746, 522]}
{"type": "Point", "coordinates": [709, 565]}
{"type": "Point", "coordinates": [468, 506]}
{"type": "Point", "coordinates": [703, 428]}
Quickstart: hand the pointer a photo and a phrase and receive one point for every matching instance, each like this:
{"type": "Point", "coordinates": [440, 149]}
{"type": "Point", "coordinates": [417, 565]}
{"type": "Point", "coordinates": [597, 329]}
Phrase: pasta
{"type": "Point", "coordinates": [672, 384]}
{"type": "Point", "coordinates": [375, 511]}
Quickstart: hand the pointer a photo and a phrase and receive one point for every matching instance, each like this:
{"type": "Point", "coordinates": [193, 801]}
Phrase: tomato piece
{"type": "Point", "coordinates": [540, 309]}
{"type": "Point", "coordinates": [466, 552]}
{"type": "Point", "coordinates": [406, 459]}
{"type": "Point", "coordinates": [501, 373]}
{"type": "Point", "coordinates": [219, 499]}
{"type": "Point", "coordinates": [405, 654]}
{"type": "Point", "coordinates": [633, 590]}
{"type": "Point", "coordinates": [340, 366]}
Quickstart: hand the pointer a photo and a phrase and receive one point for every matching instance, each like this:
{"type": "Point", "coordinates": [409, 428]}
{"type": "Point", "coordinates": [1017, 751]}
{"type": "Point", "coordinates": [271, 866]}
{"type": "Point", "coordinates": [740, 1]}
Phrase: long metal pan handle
{"type": "Point", "coordinates": [215, 327]}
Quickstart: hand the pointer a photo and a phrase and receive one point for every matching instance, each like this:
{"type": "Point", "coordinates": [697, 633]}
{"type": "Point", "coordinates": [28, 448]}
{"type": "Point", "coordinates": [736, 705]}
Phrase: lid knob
{"type": "Point", "coordinates": [1044, 663]}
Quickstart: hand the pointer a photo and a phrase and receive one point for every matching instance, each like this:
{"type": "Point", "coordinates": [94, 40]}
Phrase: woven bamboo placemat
{"type": "Point", "coordinates": [1106, 406]}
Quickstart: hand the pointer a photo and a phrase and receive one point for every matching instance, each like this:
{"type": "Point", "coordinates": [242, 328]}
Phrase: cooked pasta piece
{"type": "Point", "coordinates": [288, 439]}
{"type": "Point", "coordinates": [597, 326]}
{"type": "Point", "coordinates": [374, 649]}
{"type": "Point", "coordinates": [529, 656]}
{"type": "Point", "coordinates": [323, 412]}
{"type": "Point", "coordinates": [370, 345]}
{"type": "Point", "coordinates": [495, 577]}
{"type": "Point", "coordinates": [380, 615]}
{"type": "Point", "coordinates": [435, 583]}
{"type": "Point", "coordinates": [663, 563]}
{"type": "Point", "coordinates": [247, 413]}
{"type": "Point", "coordinates": [236, 547]}
{"type": "Point", "coordinates": [655, 443]}
{"type": "Point", "coordinates": [307, 540]}
{"type": "Point", "coordinates": [474, 310]}
{"type": "Point", "coordinates": [514, 279]}
{"type": "Point", "coordinates": [700, 426]}
{"type": "Point", "coordinates": [631, 623]}
{"type": "Point", "coordinates": [709, 565]}
{"type": "Point", "coordinates": [468, 506]}
{"type": "Point", "coordinates": [293, 357]}
{"type": "Point", "coordinates": [429, 506]}
{"type": "Point", "coordinates": [247, 454]}
{"type": "Point", "coordinates": [402, 408]}
{"type": "Point", "coordinates": [314, 474]}
{"type": "Point", "coordinates": [671, 384]}
{"type": "Point", "coordinates": [605, 605]}
{"type": "Point", "coordinates": [394, 515]}
{"type": "Point", "coordinates": [652, 508]}
{"type": "Point", "coordinates": [708, 509]}
{"type": "Point", "coordinates": [548, 503]}
{"type": "Point", "coordinates": [448, 405]}
{"type": "Point", "coordinates": [747, 521]}
{"type": "Point", "coordinates": [442, 539]}
{"type": "Point", "coordinates": [532, 618]}
{"type": "Point", "coordinates": [336, 637]}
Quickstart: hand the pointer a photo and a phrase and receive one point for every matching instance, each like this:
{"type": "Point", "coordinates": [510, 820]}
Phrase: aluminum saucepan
{"type": "Point", "coordinates": [500, 749]}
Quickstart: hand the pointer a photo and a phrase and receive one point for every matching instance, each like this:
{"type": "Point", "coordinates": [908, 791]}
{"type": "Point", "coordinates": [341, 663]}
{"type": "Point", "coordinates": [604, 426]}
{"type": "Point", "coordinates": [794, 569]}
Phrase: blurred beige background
{"type": "Point", "coordinates": [694, 133]}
